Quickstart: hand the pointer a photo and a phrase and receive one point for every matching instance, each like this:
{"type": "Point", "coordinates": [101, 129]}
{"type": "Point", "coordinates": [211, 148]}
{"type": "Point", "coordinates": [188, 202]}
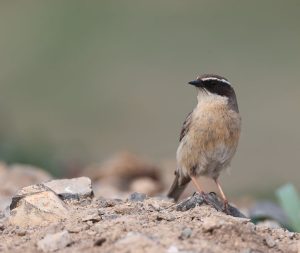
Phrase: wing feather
{"type": "Point", "coordinates": [186, 126]}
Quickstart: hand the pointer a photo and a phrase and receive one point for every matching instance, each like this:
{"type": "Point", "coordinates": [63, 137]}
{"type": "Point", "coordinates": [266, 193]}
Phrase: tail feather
{"type": "Point", "coordinates": [177, 187]}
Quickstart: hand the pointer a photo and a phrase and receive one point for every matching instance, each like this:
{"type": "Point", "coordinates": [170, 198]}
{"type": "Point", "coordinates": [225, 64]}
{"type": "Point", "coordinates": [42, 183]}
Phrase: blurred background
{"type": "Point", "coordinates": [80, 82]}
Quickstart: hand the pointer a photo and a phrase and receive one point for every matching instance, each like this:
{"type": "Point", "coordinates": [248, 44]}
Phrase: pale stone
{"type": "Point", "coordinates": [75, 188]}
{"type": "Point", "coordinates": [146, 185]}
{"type": "Point", "coordinates": [54, 242]}
{"type": "Point", "coordinates": [38, 209]}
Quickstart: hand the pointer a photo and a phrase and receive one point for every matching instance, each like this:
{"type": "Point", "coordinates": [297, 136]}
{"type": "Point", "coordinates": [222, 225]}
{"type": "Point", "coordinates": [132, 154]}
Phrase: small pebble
{"type": "Point", "coordinates": [154, 206]}
{"type": "Point", "coordinates": [89, 223]}
{"type": "Point", "coordinates": [98, 228]}
{"type": "Point", "coordinates": [103, 203]}
{"type": "Point", "coordinates": [76, 228]}
{"type": "Point", "coordinates": [54, 242]}
{"type": "Point", "coordinates": [100, 241]}
{"type": "Point", "coordinates": [167, 217]}
{"type": "Point", "coordinates": [246, 251]}
{"type": "Point", "coordinates": [212, 223]}
{"type": "Point", "coordinates": [270, 242]}
{"type": "Point", "coordinates": [185, 234]}
{"type": "Point", "coordinates": [172, 249]}
{"type": "Point", "coordinates": [94, 217]}
{"type": "Point", "coordinates": [269, 224]}
{"type": "Point", "coordinates": [291, 235]}
{"type": "Point", "coordinates": [85, 202]}
{"type": "Point", "coordinates": [136, 196]}
{"type": "Point", "coordinates": [21, 232]}
{"type": "Point", "coordinates": [110, 216]}
{"type": "Point", "coordinates": [91, 232]}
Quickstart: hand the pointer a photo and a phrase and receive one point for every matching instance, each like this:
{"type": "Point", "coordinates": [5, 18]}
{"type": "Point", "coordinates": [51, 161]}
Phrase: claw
{"type": "Point", "coordinates": [225, 207]}
{"type": "Point", "coordinates": [206, 199]}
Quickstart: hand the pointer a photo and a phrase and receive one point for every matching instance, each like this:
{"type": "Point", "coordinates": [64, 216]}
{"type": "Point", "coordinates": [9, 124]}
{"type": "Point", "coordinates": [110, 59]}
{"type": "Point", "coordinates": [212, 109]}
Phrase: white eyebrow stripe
{"type": "Point", "coordinates": [215, 78]}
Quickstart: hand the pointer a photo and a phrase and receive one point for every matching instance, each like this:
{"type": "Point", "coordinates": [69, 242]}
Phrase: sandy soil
{"type": "Point", "coordinates": [151, 225]}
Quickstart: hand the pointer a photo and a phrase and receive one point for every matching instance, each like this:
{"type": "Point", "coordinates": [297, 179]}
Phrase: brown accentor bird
{"type": "Point", "coordinates": [209, 136]}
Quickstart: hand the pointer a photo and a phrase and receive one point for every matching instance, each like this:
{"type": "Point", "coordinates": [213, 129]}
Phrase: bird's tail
{"type": "Point", "coordinates": [177, 187]}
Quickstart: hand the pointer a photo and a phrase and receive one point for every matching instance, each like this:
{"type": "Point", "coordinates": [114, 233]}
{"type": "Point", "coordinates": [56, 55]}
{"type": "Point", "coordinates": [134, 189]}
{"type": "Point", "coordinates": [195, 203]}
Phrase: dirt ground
{"type": "Point", "coordinates": [150, 225]}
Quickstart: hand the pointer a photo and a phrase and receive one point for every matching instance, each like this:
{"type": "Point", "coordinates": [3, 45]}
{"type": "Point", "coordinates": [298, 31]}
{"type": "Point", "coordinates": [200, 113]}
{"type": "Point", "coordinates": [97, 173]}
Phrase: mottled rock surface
{"type": "Point", "coordinates": [75, 188]}
{"type": "Point", "coordinates": [35, 205]}
{"type": "Point", "coordinates": [149, 225]}
{"type": "Point", "coordinates": [211, 199]}
{"type": "Point", "coordinates": [16, 176]}
{"type": "Point", "coordinates": [43, 203]}
{"type": "Point", "coordinates": [54, 242]}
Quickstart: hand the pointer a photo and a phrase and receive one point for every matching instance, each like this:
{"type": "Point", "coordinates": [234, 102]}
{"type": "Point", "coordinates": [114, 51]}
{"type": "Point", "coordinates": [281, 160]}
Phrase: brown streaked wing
{"type": "Point", "coordinates": [186, 126]}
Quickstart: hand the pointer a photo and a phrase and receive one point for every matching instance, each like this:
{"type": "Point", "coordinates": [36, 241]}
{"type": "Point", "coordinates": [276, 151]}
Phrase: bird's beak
{"type": "Point", "coordinates": [196, 82]}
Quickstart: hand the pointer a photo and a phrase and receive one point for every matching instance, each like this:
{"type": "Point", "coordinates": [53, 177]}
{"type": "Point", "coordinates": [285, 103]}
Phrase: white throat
{"type": "Point", "coordinates": [205, 96]}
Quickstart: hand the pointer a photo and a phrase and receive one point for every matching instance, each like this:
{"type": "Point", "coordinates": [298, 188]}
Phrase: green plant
{"type": "Point", "coordinates": [289, 200]}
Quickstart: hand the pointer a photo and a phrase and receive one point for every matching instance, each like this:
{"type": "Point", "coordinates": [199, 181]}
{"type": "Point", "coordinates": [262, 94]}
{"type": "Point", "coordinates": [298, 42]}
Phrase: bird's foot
{"type": "Point", "coordinates": [225, 208]}
{"type": "Point", "coordinates": [205, 197]}
{"type": "Point", "coordinates": [211, 199]}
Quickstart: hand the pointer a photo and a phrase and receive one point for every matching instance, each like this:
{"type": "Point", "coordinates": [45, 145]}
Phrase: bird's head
{"type": "Point", "coordinates": [210, 84]}
{"type": "Point", "coordinates": [213, 84]}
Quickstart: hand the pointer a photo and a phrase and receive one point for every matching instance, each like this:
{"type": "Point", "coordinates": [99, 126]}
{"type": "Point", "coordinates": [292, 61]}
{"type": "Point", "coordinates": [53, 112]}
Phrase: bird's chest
{"type": "Point", "coordinates": [212, 138]}
{"type": "Point", "coordinates": [214, 123]}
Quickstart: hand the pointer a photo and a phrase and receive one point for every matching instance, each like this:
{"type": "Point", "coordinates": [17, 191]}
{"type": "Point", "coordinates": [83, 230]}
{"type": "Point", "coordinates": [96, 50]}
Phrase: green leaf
{"type": "Point", "coordinates": [290, 202]}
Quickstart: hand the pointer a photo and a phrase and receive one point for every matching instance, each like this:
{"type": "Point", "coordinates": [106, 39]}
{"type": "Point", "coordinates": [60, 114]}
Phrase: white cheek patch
{"type": "Point", "coordinates": [215, 78]}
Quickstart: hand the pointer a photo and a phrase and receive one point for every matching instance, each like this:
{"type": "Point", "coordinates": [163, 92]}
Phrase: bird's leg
{"type": "Point", "coordinates": [199, 189]}
{"type": "Point", "coordinates": [196, 184]}
{"type": "Point", "coordinates": [225, 201]}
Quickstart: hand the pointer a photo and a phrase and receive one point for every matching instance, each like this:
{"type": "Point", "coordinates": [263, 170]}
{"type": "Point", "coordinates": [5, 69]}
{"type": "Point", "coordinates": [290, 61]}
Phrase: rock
{"type": "Point", "coordinates": [269, 224]}
{"type": "Point", "coordinates": [76, 228]}
{"type": "Point", "coordinates": [91, 233]}
{"type": "Point", "coordinates": [125, 166]}
{"type": "Point", "coordinates": [24, 192]}
{"type": "Point", "coordinates": [270, 242]}
{"type": "Point", "coordinates": [103, 203]}
{"type": "Point", "coordinates": [117, 175]}
{"type": "Point", "coordinates": [291, 235]}
{"type": "Point", "coordinates": [99, 242]}
{"type": "Point", "coordinates": [165, 216]}
{"type": "Point", "coordinates": [75, 188]}
{"type": "Point", "coordinates": [267, 210]}
{"type": "Point", "coordinates": [135, 240]}
{"type": "Point", "coordinates": [54, 242]}
{"type": "Point", "coordinates": [21, 232]}
{"type": "Point", "coordinates": [208, 199]}
{"type": "Point", "coordinates": [185, 233]}
{"type": "Point", "coordinates": [146, 185]}
{"type": "Point", "coordinates": [35, 205]}
{"type": "Point", "coordinates": [212, 223]}
{"type": "Point", "coordinates": [172, 249]}
{"type": "Point", "coordinates": [42, 203]}
{"type": "Point", "coordinates": [248, 250]}
{"type": "Point", "coordinates": [92, 215]}
{"type": "Point", "coordinates": [136, 196]}
{"type": "Point", "coordinates": [17, 176]}
{"type": "Point", "coordinates": [110, 216]}
{"type": "Point", "coordinates": [108, 189]}
{"type": "Point", "coordinates": [154, 207]}
{"type": "Point", "coordinates": [84, 202]}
